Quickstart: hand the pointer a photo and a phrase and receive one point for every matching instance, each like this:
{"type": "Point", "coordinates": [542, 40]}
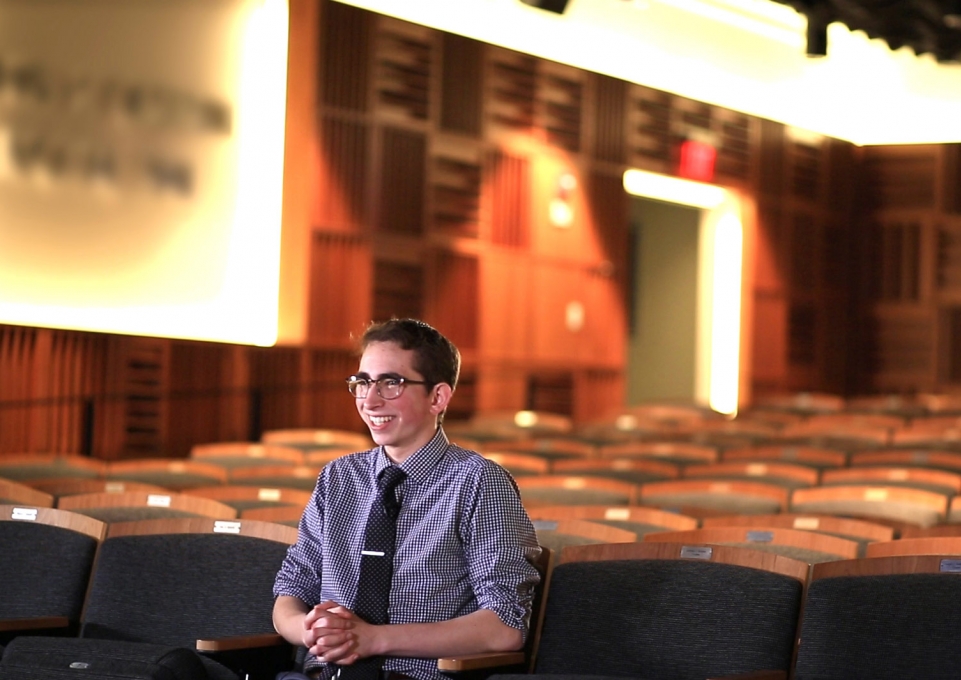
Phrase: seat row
{"type": "Point", "coordinates": [690, 610]}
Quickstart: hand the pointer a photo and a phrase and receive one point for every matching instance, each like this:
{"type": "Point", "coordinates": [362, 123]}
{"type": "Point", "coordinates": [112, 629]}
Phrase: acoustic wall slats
{"type": "Point", "coordinates": [403, 69]}
{"type": "Point", "coordinates": [561, 97]}
{"type": "Point", "coordinates": [461, 85]}
{"type": "Point", "coordinates": [950, 353]}
{"type": "Point", "coordinates": [509, 182]}
{"type": "Point", "coordinates": [403, 154]}
{"type": "Point", "coordinates": [802, 334]}
{"type": "Point", "coordinates": [895, 266]}
{"type": "Point", "coordinates": [454, 297]}
{"type": "Point", "coordinates": [772, 159]}
{"type": "Point", "coordinates": [280, 386]}
{"type": "Point", "coordinates": [806, 169]}
{"type": "Point", "coordinates": [949, 262]}
{"type": "Point", "coordinates": [900, 177]}
{"type": "Point", "coordinates": [735, 152]}
{"type": "Point", "coordinates": [455, 191]}
{"type": "Point", "coordinates": [805, 251]}
{"type": "Point", "coordinates": [610, 113]}
{"type": "Point", "coordinates": [511, 97]}
{"type": "Point", "coordinates": [398, 290]}
{"type": "Point", "coordinates": [345, 56]}
{"type": "Point", "coordinates": [649, 127]}
{"type": "Point", "coordinates": [903, 355]}
{"type": "Point", "coordinates": [340, 288]}
{"type": "Point", "coordinates": [329, 404]}
{"type": "Point", "coordinates": [342, 194]}
{"type": "Point", "coordinates": [551, 392]}
{"type": "Point", "coordinates": [951, 179]}
{"type": "Point", "coordinates": [609, 221]}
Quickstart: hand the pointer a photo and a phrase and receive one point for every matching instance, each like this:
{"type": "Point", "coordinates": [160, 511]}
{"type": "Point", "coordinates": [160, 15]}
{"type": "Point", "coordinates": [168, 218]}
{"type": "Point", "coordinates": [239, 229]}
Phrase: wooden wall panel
{"type": "Point", "coordinates": [454, 297]}
{"type": "Point", "coordinates": [506, 300]}
{"type": "Point", "coordinates": [344, 59]}
{"type": "Point", "coordinates": [508, 185]}
{"type": "Point", "coordinates": [402, 182]}
{"type": "Point", "coordinates": [341, 288]}
{"type": "Point", "coordinates": [462, 85]}
{"type": "Point", "coordinates": [341, 196]}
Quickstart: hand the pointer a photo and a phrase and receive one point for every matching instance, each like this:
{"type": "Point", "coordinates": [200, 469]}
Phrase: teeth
{"type": "Point", "coordinates": [380, 420]}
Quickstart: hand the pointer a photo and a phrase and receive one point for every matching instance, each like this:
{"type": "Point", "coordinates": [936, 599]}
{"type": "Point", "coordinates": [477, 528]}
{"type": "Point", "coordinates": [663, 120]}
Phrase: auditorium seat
{"type": "Point", "coordinates": [861, 531]}
{"type": "Point", "coordinates": [26, 467]}
{"type": "Point", "coordinates": [922, 545]}
{"type": "Point", "coordinates": [807, 546]}
{"type": "Point", "coordinates": [636, 519]}
{"type": "Point", "coordinates": [727, 497]}
{"type": "Point", "coordinates": [819, 458]}
{"type": "Point", "coordinates": [678, 453]}
{"type": "Point", "coordinates": [138, 505]}
{"type": "Point", "coordinates": [668, 611]}
{"type": "Point", "coordinates": [15, 493]}
{"type": "Point", "coordinates": [884, 618]}
{"type": "Point", "coordinates": [243, 498]}
{"type": "Point", "coordinates": [320, 457]}
{"type": "Point", "coordinates": [519, 464]}
{"type": "Point", "coordinates": [45, 560]}
{"type": "Point", "coordinates": [170, 474]}
{"type": "Point", "coordinates": [303, 477]}
{"type": "Point", "coordinates": [873, 502]}
{"type": "Point", "coordinates": [938, 481]}
{"type": "Point", "coordinates": [317, 438]}
{"type": "Point", "coordinates": [574, 490]}
{"type": "Point", "coordinates": [59, 487]}
{"type": "Point", "coordinates": [231, 455]}
{"type": "Point", "coordinates": [198, 583]}
{"type": "Point", "coordinates": [288, 515]}
{"type": "Point", "coordinates": [788, 475]}
{"type": "Point", "coordinates": [550, 448]}
{"type": "Point", "coordinates": [631, 470]}
{"type": "Point", "coordinates": [558, 534]}
{"type": "Point", "coordinates": [934, 531]}
{"type": "Point", "coordinates": [928, 458]}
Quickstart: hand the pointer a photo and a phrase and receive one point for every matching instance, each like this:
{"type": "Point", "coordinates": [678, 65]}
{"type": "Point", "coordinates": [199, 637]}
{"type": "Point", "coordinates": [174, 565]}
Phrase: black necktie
{"type": "Point", "coordinates": [377, 566]}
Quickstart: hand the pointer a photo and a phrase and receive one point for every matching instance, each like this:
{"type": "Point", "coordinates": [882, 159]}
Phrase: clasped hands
{"type": "Point", "coordinates": [335, 634]}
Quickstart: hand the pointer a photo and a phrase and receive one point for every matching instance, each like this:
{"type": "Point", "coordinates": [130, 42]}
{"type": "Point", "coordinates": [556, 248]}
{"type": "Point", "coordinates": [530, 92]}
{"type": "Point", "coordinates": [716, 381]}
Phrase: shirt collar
{"type": "Point", "coordinates": [421, 462]}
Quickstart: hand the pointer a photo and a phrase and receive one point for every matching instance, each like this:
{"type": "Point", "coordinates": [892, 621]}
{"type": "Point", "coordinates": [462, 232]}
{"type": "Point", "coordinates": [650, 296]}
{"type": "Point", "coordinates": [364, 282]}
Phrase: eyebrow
{"type": "Point", "coordinates": [366, 376]}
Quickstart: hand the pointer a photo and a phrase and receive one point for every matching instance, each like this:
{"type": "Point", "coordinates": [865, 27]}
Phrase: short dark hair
{"type": "Point", "coordinates": [435, 357]}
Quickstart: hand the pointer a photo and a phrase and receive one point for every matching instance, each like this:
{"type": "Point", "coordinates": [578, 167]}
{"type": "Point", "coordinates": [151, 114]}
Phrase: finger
{"type": "Point", "coordinates": [319, 610]}
{"type": "Point", "coordinates": [332, 623]}
{"type": "Point", "coordinates": [336, 654]}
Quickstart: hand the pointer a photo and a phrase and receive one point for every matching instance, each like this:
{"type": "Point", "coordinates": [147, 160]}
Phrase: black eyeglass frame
{"type": "Point", "coordinates": [400, 380]}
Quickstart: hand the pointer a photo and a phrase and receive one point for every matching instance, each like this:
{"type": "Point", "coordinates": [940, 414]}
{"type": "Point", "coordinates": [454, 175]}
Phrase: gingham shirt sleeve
{"type": "Point", "coordinates": [300, 572]}
{"type": "Point", "coordinates": [500, 544]}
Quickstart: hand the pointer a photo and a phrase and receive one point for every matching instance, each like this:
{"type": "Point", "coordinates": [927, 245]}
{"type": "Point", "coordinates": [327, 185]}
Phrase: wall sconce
{"type": "Point", "coordinates": [561, 210]}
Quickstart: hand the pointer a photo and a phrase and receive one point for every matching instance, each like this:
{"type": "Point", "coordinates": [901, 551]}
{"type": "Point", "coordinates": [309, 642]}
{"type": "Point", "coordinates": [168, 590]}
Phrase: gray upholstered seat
{"type": "Point", "coordinates": [883, 619]}
{"type": "Point", "coordinates": [651, 615]}
{"type": "Point", "coordinates": [196, 579]}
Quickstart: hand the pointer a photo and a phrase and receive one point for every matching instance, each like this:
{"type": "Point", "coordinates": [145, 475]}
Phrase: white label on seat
{"type": "Point", "coordinates": [256, 452]}
{"type": "Point", "coordinates": [114, 487]}
{"type": "Point", "coordinates": [575, 483]}
{"type": "Point", "coordinates": [897, 475]}
{"type": "Point", "coordinates": [223, 527]}
{"type": "Point", "coordinates": [158, 501]}
{"type": "Point", "coordinates": [622, 464]}
{"type": "Point", "coordinates": [544, 525]}
{"type": "Point", "coordinates": [951, 566]}
{"type": "Point", "coordinates": [875, 494]}
{"type": "Point", "coordinates": [28, 514]}
{"type": "Point", "coordinates": [756, 470]}
{"type": "Point", "coordinates": [177, 468]}
{"type": "Point", "coordinates": [807, 523]}
{"type": "Point", "coordinates": [719, 487]}
{"type": "Point", "coordinates": [626, 422]}
{"type": "Point", "coordinates": [760, 536]}
{"type": "Point", "coordinates": [268, 494]}
{"type": "Point", "coordinates": [696, 552]}
{"type": "Point", "coordinates": [919, 457]}
{"type": "Point", "coordinates": [617, 513]}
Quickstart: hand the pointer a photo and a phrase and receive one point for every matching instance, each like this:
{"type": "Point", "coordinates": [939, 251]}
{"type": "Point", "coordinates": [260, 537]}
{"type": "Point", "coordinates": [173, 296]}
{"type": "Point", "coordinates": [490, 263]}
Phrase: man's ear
{"type": "Point", "coordinates": [441, 397]}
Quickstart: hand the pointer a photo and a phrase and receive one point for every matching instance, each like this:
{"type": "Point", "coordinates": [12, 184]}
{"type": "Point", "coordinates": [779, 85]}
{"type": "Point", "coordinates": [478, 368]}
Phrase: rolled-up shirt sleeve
{"type": "Point", "coordinates": [300, 572]}
{"type": "Point", "coordinates": [500, 546]}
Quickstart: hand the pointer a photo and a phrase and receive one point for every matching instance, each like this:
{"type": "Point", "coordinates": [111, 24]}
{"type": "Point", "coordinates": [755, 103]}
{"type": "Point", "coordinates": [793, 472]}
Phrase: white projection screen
{"type": "Point", "coordinates": [141, 166]}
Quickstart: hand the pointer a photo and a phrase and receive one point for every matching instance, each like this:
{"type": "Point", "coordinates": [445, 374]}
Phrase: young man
{"type": "Point", "coordinates": [462, 578]}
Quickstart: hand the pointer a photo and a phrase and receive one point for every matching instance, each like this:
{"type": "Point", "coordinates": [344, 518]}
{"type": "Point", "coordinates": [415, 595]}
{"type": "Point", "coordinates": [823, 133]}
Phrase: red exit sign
{"type": "Point", "coordinates": [697, 160]}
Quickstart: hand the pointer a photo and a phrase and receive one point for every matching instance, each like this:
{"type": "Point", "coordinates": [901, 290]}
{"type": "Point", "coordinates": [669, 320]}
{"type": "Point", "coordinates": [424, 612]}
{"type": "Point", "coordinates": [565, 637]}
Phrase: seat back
{"type": "Point", "coordinates": [176, 581]}
{"type": "Point", "coordinates": [655, 612]}
{"type": "Point", "coordinates": [45, 559]}
{"type": "Point", "coordinates": [882, 618]}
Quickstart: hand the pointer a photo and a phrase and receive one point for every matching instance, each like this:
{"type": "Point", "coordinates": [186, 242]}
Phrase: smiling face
{"type": "Point", "coordinates": [405, 424]}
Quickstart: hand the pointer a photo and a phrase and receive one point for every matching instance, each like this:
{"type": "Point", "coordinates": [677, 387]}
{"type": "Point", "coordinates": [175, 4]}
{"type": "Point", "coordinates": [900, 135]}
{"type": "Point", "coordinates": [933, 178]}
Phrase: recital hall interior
{"type": "Point", "coordinates": [701, 258]}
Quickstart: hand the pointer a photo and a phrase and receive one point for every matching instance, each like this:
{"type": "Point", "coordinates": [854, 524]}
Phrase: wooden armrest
{"type": "Point", "coordinates": [475, 661]}
{"type": "Point", "coordinates": [239, 642]}
{"type": "Point", "coordinates": [34, 623]}
{"type": "Point", "coordinates": [755, 675]}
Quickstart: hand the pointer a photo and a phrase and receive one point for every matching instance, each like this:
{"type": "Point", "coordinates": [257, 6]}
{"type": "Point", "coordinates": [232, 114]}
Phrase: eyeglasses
{"type": "Point", "coordinates": [387, 388]}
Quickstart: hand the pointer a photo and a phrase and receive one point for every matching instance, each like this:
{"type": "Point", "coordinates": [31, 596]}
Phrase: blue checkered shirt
{"type": "Point", "coordinates": [464, 542]}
